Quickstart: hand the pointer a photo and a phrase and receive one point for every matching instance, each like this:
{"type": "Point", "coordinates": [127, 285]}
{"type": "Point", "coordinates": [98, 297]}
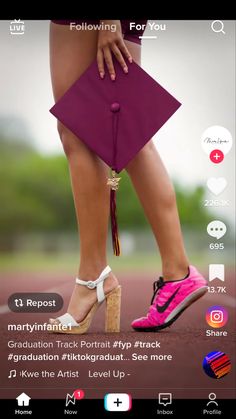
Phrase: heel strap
{"type": "Point", "coordinates": [98, 283]}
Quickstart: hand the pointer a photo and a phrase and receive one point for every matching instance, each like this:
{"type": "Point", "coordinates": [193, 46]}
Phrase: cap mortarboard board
{"type": "Point", "coordinates": [115, 119]}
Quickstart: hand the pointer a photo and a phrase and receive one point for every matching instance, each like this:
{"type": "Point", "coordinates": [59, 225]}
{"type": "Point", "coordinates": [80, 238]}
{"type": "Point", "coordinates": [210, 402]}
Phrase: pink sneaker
{"type": "Point", "coordinates": [170, 299]}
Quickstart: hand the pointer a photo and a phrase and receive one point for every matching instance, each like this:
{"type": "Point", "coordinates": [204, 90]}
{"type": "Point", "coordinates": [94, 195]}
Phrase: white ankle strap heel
{"type": "Point", "coordinates": [98, 283]}
{"type": "Point", "coordinates": [113, 300]}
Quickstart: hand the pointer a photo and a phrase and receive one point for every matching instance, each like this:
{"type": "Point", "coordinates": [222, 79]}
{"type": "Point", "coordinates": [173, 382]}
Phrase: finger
{"type": "Point", "coordinates": [109, 62]}
{"type": "Point", "coordinates": [100, 63]}
{"type": "Point", "coordinates": [119, 57]}
{"type": "Point", "coordinates": [123, 48]}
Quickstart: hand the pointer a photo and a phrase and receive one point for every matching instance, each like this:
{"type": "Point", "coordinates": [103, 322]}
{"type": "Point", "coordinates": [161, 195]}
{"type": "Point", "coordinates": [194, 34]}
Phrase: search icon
{"type": "Point", "coordinates": [217, 26]}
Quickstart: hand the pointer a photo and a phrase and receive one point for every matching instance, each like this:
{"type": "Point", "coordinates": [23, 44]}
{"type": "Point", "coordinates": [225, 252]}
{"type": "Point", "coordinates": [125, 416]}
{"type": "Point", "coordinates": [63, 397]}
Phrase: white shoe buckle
{"type": "Point", "coordinates": [91, 285]}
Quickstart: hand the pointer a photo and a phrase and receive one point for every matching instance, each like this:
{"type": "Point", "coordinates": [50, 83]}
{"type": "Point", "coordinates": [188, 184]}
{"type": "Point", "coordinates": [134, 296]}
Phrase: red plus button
{"type": "Point", "coordinates": [217, 156]}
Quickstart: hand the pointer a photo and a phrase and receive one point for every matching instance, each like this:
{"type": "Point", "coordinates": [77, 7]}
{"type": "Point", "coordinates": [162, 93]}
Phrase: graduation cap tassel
{"type": "Point", "coordinates": [113, 182]}
{"type": "Point", "coordinates": [114, 224]}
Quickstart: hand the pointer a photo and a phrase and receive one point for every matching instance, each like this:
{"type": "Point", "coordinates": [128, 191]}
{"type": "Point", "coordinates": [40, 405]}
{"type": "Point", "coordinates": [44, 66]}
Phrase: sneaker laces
{"type": "Point", "coordinates": [157, 285]}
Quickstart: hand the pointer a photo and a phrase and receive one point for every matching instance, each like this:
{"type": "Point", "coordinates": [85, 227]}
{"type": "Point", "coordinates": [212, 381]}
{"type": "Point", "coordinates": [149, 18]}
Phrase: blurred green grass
{"type": "Point", "coordinates": [26, 262]}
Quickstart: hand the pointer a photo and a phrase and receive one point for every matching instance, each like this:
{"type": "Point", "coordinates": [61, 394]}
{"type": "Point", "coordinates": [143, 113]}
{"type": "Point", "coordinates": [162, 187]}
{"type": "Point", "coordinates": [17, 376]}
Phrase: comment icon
{"type": "Point", "coordinates": [216, 229]}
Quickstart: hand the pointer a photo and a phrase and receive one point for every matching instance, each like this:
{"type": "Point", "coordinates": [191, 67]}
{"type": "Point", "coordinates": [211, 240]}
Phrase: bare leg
{"type": "Point", "coordinates": [158, 199]}
{"type": "Point", "coordinates": [157, 196]}
{"type": "Point", "coordinates": [71, 52]}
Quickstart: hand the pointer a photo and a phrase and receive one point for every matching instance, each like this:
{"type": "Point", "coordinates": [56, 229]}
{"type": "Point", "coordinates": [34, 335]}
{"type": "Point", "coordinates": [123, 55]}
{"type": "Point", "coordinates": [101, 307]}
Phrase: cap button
{"type": "Point", "coordinates": [115, 107]}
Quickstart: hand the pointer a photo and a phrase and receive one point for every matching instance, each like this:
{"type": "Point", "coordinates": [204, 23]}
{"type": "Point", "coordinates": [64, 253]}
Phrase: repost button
{"type": "Point", "coordinates": [35, 302]}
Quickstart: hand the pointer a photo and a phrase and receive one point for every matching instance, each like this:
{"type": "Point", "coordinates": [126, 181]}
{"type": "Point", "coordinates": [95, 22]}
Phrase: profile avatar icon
{"type": "Point", "coordinates": [216, 364]}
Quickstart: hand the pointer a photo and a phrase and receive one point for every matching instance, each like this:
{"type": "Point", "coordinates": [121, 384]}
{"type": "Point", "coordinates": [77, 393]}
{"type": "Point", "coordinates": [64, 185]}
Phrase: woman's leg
{"type": "Point", "coordinates": [157, 196]}
{"type": "Point", "coordinates": [182, 284]}
{"type": "Point", "coordinates": [71, 52]}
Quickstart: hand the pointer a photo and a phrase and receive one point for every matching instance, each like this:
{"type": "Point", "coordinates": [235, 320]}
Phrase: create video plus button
{"type": "Point", "coordinates": [117, 402]}
{"type": "Point", "coordinates": [32, 302]}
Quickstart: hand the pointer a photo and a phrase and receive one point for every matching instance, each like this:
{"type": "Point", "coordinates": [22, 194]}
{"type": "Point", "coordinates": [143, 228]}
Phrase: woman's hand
{"type": "Point", "coordinates": [111, 43]}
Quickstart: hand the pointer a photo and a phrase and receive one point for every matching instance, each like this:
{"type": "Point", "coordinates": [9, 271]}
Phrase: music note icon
{"type": "Point", "coordinates": [12, 374]}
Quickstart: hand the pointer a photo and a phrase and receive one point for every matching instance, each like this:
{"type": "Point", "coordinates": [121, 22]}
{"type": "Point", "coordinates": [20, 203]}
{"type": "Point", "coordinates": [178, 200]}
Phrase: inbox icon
{"type": "Point", "coordinates": [165, 398]}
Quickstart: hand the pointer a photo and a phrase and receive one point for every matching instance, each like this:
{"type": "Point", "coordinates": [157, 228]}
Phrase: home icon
{"type": "Point", "coordinates": [23, 400]}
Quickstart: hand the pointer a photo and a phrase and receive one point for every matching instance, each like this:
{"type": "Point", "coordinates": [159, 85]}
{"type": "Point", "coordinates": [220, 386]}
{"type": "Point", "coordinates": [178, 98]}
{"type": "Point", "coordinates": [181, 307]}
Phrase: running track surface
{"type": "Point", "coordinates": [186, 341]}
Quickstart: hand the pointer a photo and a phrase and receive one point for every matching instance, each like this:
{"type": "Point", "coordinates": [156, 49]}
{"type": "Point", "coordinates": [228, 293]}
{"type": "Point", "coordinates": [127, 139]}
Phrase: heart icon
{"type": "Point", "coordinates": [216, 185]}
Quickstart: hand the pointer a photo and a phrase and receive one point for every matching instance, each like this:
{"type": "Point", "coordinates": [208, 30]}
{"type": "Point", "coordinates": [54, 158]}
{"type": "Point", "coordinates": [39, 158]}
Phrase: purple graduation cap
{"type": "Point", "coordinates": [115, 118]}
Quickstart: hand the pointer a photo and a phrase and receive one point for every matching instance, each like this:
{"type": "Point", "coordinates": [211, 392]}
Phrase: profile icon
{"type": "Point", "coordinates": [212, 400]}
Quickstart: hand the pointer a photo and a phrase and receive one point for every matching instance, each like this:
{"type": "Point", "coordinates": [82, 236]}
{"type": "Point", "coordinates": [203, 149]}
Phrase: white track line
{"type": "Point", "coordinates": [4, 309]}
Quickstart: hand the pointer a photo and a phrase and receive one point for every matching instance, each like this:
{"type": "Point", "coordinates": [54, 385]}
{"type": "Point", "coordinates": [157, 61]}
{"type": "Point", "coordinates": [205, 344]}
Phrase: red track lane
{"type": "Point", "coordinates": [186, 341]}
